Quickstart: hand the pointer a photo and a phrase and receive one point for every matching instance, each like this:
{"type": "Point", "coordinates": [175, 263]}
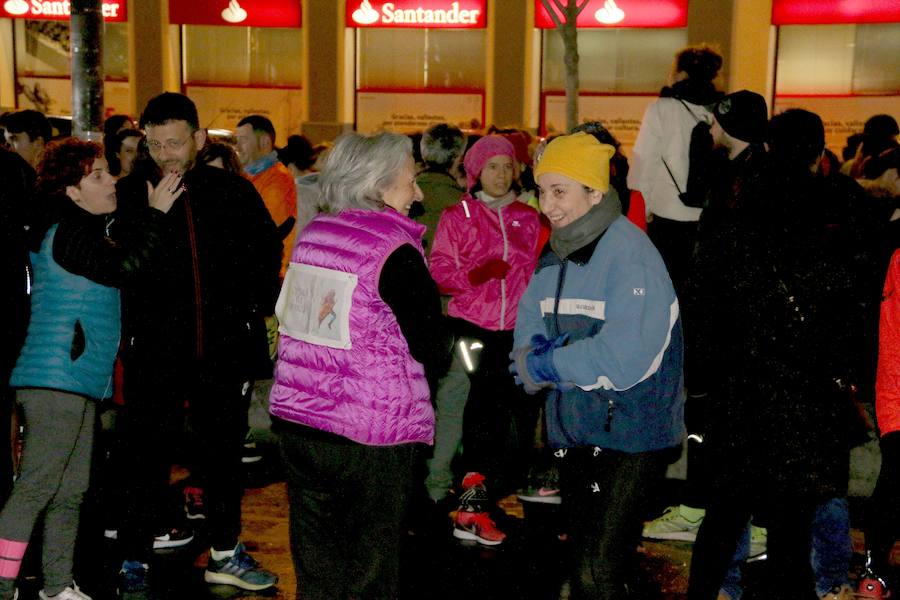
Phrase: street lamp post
{"type": "Point", "coordinates": [87, 69]}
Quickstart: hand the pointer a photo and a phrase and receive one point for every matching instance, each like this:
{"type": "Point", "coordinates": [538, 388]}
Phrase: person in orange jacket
{"type": "Point", "coordinates": [273, 181]}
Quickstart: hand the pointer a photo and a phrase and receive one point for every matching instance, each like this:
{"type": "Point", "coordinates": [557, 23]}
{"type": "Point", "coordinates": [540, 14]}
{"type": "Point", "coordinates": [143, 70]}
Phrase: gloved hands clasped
{"type": "Point", "coordinates": [532, 366]}
{"type": "Point", "coordinates": [495, 268]}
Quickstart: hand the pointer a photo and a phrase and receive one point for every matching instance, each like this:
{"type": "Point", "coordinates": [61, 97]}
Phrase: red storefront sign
{"type": "Point", "coordinates": [824, 12]}
{"type": "Point", "coordinates": [113, 11]}
{"type": "Point", "coordinates": [417, 14]}
{"type": "Point", "coordinates": [621, 13]}
{"type": "Point", "coordinates": [243, 13]}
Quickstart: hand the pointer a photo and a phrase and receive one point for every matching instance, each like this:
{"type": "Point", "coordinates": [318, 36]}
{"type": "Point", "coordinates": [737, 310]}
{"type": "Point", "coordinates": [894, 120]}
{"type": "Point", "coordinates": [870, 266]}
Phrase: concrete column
{"type": "Point", "coordinates": [147, 56]}
{"type": "Point", "coordinates": [508, 47]}
{"type": "Point", "coordinates": [753, 48]}
{"type": "Point", "coordinates": [710, 22]}
{"type": "Point", "coordinates": [7, 65]}
{"type": "Point", "coordinates": [532, 74]}
{"type": "Point", "coordinates": [86, 35]}
{"type": "Point", "coordinates": [326, 45]}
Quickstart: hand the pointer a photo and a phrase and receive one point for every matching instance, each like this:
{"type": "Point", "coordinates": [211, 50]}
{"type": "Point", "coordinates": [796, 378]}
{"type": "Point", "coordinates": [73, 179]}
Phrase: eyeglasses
{"type": "Point", "coordinates": [173, 145]}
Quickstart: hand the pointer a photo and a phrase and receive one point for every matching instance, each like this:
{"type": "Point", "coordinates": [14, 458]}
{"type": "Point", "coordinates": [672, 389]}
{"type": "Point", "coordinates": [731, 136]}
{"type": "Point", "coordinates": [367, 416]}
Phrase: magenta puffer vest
{"type": "Point", "coordinates": [346, 367]}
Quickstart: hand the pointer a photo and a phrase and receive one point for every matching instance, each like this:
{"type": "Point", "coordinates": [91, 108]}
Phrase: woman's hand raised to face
{"type": "Point", "coordinates": [163, 196]}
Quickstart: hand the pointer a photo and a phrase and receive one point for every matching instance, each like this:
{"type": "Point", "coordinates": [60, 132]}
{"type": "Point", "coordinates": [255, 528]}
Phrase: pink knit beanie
{"type": "Point", "coordinates": [482, 151]}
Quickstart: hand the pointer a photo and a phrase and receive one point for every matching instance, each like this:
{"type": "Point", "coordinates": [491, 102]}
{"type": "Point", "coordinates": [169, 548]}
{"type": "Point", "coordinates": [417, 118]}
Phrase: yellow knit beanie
{"type": "Point", "coordinates": [578, 156]}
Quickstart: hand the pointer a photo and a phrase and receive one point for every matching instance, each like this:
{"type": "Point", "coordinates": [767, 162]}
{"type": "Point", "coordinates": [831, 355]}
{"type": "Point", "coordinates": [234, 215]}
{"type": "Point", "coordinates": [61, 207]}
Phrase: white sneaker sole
{"type": "Point", "coordinates": [159, 544]}
{"type": "Point", "coordinates": [193, 517]}
{"type": "Point", "coordinates": [226, 579]}
{"type": "Point", "coordinates": [462, 534]}
{"type": "Point", "coordinates": [541, 499]}
{"type": "Point", "coordinates": [680, 536]}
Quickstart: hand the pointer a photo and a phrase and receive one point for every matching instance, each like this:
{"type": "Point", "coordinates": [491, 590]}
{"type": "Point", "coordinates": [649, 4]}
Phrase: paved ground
{"type": "Point", "coordinates": [530, 566]}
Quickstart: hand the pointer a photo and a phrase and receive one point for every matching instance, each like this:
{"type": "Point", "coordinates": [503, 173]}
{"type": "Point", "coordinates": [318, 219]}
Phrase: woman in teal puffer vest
{"type": "Point", "coordinates": [66, 364]}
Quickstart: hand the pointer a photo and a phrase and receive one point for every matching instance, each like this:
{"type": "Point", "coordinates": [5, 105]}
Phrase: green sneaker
{"type": "Point", "coordinates": [240, 570]}
{"type": "Point", "coordinates": [676, 523]}
{"type": "Point", "coordinates": [758, 538]}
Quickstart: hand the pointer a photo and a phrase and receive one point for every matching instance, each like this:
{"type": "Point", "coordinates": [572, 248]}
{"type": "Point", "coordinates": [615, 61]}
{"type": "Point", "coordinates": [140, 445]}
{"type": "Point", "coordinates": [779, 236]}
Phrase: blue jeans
{"type": "Point", "coordinates": [830, 556]}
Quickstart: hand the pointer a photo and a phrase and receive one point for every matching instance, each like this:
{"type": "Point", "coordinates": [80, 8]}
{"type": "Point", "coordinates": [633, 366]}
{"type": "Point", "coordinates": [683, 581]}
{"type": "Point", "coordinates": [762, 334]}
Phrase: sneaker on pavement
{"type": "Point", "coordinates": [71, 592]}
{"type": "Point", "coordinates": [193, 503]}
{"type": "Point", "coordinates": [478, 527]}
{"type": "Point", "coordinates": [133, 578]}
{"type": "Point", "coordinates": [759, 538]}
{"type": "Point", "coordinates": [542, 495]}
{"type": "Point", "coordinates": [676, 523]}
{"type": "Point", "coordinates": [872, 587]}
{"type": "Point", "coordinates": [173, 538]}
{"type": "Point", "coordinates": [545, 489]}
{"type": "Point", "coordinates": [240, 570]}
{"type": "Point", "coordinates": [251, 453]}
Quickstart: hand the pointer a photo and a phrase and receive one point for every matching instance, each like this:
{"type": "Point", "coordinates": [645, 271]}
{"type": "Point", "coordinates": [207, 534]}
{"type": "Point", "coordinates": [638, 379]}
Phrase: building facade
{"type": "Point", "coordinates": [322, 67]}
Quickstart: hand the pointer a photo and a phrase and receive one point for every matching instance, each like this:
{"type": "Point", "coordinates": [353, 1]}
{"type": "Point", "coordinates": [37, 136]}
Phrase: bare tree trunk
{"type": "Point", "coordinates": [569, 35]}
{"type": "Point", "coordinates": [565, 16]}
{"type": "Point", "coordinates": [87, 69]}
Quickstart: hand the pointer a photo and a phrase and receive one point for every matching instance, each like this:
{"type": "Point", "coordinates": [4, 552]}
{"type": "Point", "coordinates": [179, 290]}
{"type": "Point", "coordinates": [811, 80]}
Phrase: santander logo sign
{"type": "Point", "coordinates": [622, 13]}
{"type": "Point", "coordinates": [56, 10]}
{"type": "Point", "coordinates": [459, 14]}
{"type": "Point", "coordinates": [610, 14]}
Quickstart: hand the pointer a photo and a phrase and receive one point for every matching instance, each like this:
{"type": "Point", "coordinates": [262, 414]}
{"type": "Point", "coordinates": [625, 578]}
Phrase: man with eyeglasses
{"type": "Point", "coordinates": [193, 325]}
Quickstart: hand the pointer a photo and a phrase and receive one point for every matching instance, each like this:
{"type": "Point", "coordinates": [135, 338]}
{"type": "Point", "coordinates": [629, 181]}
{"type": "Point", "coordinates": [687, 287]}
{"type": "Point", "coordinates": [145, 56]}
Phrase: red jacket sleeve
{"type": "Point", "coordinates": [887, 384]}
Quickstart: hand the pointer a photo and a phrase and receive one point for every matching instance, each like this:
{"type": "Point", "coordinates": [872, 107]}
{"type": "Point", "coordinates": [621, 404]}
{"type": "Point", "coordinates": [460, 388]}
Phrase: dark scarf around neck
{"type": "Point", "coordinates": [581, 232]}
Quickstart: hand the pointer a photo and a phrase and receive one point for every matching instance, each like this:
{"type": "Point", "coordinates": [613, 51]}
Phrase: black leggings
{"type": "Point", "coordinates": [496, 412]}
{"type": "Point", "coordinates": [605, 497]}
{"type": "Point", "coordinates": [789, 529]}
{"type": "Point", "coordinates": [347, 502]}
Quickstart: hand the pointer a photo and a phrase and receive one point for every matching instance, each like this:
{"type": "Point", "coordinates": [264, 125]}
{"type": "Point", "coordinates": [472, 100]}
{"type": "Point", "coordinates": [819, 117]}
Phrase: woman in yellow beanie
{"type": "Point", "coordinates": [598, 332]}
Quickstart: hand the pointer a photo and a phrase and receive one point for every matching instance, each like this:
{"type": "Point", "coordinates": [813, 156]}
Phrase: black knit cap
{"type": "Point", "coordinates": [743, 115]}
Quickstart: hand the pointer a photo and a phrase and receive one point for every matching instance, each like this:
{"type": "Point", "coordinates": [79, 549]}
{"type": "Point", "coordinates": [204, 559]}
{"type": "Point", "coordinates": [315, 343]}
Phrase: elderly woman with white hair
{"type": "Point", "coordinates": [361, 337]}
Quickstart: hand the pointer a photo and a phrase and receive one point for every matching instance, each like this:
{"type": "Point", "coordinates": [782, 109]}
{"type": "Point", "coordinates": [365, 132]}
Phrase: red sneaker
{"type": "Point", "coordinates": [193, 503]}
{"type": "Point", "coordinates": [872, 587]}
{"type": "Point", "coordinates": [478, 527]}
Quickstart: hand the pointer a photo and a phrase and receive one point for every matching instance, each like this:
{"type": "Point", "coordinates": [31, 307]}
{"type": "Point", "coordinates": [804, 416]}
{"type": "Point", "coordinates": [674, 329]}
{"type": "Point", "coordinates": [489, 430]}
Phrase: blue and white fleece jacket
{"type": "Point", "coordinates": [624, 353]}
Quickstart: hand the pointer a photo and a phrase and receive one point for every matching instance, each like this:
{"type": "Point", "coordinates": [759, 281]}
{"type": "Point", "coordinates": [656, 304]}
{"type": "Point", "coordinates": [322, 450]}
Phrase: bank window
{"type": "Point", "coordinates": [264, 56]}
{"type": "Point", "coordinates": [838, 59]}
{"type": "Point", "coordinates": [43, 49]}
{"type": "Point", "coordinates": [631, 61]}
{"type": "Point", "coordinates": [421, 58]}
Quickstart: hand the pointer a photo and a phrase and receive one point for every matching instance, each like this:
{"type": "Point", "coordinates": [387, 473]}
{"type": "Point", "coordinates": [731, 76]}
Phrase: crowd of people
{"type": "Point", "coordinates": [435, 322]}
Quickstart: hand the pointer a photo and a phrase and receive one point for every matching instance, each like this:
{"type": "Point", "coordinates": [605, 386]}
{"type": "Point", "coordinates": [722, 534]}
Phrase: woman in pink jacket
{"type": "Point", "coordinates": [485, 251]}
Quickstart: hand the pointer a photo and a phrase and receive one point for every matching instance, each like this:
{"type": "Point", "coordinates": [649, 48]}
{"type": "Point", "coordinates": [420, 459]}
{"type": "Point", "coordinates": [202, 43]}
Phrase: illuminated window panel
{"type": "Point", "coordinates": [615, 60]}
{"type": "Point", "coordinates": [263, 56]}
{"type": "Point", "coordinates": [838, 59]}
{"type": "Point", "coordinates": [421, 58]}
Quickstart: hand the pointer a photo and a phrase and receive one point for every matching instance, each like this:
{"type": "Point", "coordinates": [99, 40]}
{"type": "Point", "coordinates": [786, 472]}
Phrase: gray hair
{"type": "Point", "coordinates": [441, 145]}
{"type": "Point", "coordinates": [359, 167]}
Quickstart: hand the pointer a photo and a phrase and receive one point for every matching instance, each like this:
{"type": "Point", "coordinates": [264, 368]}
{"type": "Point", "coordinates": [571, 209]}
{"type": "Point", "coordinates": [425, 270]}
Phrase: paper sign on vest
{"type": "Point", "coordinates": [314, 305]}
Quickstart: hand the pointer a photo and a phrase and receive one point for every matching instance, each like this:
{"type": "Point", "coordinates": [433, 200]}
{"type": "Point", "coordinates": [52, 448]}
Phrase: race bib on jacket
{"type": "Point", "coordinates": [314, 305]}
